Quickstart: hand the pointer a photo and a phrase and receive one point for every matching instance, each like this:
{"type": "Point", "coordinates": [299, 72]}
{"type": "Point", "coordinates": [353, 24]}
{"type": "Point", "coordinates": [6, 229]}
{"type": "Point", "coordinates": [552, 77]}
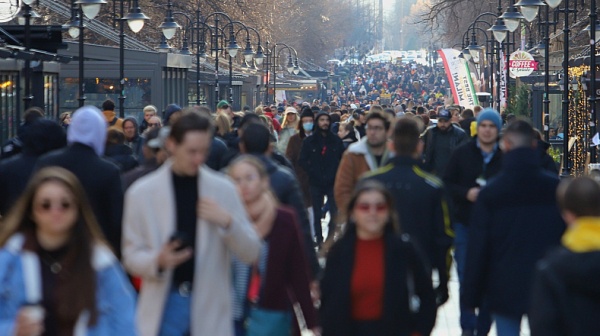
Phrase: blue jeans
{"type": "Point", "coordinates": [507, 326]}
{"type": "Point", "coordinates": [240, 328]}
{"type": "Point", "coordinates": [469, 321]}
{"type": "Point", "coordinates": [176, 316]}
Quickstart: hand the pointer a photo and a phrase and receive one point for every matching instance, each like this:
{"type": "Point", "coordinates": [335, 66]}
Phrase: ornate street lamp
{"type": "Point", "coordinates": [530, 8]}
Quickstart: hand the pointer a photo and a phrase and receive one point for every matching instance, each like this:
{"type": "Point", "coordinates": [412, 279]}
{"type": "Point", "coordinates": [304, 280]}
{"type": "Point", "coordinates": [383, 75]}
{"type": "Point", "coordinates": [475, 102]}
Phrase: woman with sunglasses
{"type": "Point", "coordinates": [375, 281]}
{"type": "Point", "coordinates": [281, 276]}
{"type": "Point", "coordinates": [57, 274]}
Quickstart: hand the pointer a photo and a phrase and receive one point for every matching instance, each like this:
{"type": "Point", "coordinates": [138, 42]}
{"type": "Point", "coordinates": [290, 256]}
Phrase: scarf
{"type": "Point", "coordinates": [584, 236]}
{"type": "Point", "coordinates": [263, 212]}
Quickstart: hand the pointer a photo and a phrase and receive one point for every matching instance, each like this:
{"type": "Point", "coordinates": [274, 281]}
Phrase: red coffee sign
{"type": "Point", "coordinates": [521, 64]}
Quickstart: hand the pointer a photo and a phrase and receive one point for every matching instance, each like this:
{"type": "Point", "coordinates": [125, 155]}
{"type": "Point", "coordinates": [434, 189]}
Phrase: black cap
{"type": "Point", "coordinates": [444, 114]}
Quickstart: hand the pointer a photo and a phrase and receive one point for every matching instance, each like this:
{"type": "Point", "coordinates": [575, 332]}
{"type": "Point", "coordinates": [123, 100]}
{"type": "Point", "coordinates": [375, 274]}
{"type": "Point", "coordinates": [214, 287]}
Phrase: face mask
{"type": "Point", "coordinates": [308, 127]}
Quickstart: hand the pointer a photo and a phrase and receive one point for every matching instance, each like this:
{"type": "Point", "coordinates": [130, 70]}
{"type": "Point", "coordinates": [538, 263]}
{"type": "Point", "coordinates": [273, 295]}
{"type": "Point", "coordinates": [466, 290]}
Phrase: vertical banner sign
{"type": "Point", "coordinates": [523, 37]}
{"type": "Point", "coordinates": [502, 81]}
{"type": "Point", "coordinates": [459, 78]}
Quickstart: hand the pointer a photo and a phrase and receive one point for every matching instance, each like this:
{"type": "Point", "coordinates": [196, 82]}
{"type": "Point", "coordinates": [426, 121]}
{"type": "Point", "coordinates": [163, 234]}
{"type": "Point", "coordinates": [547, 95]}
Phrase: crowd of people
{"type": "Point", "coordinates": [339, 218]}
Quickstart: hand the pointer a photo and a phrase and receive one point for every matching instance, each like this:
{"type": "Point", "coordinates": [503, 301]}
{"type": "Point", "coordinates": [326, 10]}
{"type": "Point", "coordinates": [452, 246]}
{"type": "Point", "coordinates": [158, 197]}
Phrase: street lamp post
{"type": "Point", "coordinates": [248, 52]}
{"type": "Point", "coordinates": [594, 30]}
{"type": "Point", "coordinates": [267, 66]}
{"type": "Point", "coordinates": [565, 101]}
{"type": "Point", "coordinates": [546, 101]}
{"type": "Point", "coordinates": [500, 31]}
{"type": "Point", "coordinates": [232, 48]}
{"type": "Point", "coordinates": [135, 19]}
{"type": "Point", "coordinates": [81, 58]}
{"type": "Point", "coordinates": [27, 98]}
{"type": "Point", "coordinates": [292, 66]}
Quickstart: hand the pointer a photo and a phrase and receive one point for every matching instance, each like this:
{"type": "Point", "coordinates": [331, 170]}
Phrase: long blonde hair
{"type": "Point", "coordinates": [77, 292]}
{"type": "Point", "coordinates": [223, 124]}
{"type": "Point", "coordinates": [285, 121]}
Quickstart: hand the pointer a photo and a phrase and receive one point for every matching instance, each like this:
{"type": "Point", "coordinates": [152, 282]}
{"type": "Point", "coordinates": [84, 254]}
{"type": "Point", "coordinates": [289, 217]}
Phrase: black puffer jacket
{"type": "Point", "coordinates": [566, 296]}
{"type": "Point", "coordinates": [464, 168]}
{"type": "Point", "coordinates": [440, 145]}
{"type": "Point", "coordinates": [123, 156]}
{"type": "Point", "coordinates": [320, 155]}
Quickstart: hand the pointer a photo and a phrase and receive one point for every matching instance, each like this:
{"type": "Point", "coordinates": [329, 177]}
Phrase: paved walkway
{"type": "Point", "coordinates": [448, 319]}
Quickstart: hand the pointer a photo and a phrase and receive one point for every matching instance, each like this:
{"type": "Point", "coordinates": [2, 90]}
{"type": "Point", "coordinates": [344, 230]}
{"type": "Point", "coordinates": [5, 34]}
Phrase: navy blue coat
{"type": "Point", "coordinates": [286, 188]}
{"type": "Point", "coordinates": [514, 222]}
{"type": "Point", "coordinates": [422, 208]}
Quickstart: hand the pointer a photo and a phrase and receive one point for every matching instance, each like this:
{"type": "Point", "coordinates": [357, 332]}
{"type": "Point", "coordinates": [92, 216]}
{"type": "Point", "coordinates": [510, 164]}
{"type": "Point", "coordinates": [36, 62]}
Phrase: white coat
{"type": "Point", "coordinates": [149, 222]}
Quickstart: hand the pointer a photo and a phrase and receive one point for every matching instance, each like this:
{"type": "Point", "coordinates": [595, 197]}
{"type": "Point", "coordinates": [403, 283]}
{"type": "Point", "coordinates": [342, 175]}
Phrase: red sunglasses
{"type": "Point", "coordinates": [366, 207]}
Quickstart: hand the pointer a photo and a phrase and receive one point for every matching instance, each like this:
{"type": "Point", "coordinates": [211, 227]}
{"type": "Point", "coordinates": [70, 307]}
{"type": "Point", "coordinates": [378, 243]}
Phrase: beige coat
{"type": "Point", "coordinates": [149, 222]}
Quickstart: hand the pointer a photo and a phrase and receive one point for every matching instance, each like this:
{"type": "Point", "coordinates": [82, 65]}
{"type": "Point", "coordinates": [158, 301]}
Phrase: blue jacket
{"type": "Point", "coordinates": [115, 296]}
{"type": "Point", "coordinates": [514, 222]}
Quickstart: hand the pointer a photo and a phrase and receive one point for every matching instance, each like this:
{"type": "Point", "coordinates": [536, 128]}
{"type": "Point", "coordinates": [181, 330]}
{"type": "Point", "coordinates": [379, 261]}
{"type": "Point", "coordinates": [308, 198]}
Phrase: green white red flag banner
{"type": "Point", "coordinates": [459, 78]}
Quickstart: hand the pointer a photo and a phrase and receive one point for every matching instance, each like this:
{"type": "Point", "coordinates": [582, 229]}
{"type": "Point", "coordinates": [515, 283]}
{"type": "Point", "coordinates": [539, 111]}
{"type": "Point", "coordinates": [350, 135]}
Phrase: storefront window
{"type": "Point", "coordinates": [556, 122]}
{"type": "Point", "coordinates": [97, 90]}
{"type": "Point", "coordinates": [51, 95]}
{"type": "Point", "coordinates": [9, 105]}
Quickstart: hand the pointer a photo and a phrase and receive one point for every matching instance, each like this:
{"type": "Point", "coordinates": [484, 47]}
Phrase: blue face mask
{"type": "Point", "coordinates": [308, 127]}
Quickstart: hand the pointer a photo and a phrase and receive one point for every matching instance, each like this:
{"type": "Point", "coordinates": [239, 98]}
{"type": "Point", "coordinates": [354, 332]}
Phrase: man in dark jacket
{"type": "Point", "coordinates": [470, 166]}
{"type": "Point", "coordinates": [100, 178]}
{"type": "Point", "coordinates": [43, 136]}
{"type": "Point", "coordinates": [155, 141]}
{"type": "Point", "coordinates": [566, 296]}
{"type": "Point", "coordinates": [14, 145]}
{"type": "Point", "coordinates": [255, 141]}
{"type": "Point", "coordinates": [420, 201]}
{"type": "Point", "coordinates": [320, 157]}
{"type": "Point", "coordinates": [133, 139]}
{"type": "Point", "coordinates": [440, 141]}
{"type": "Point", "coordinates": [118, 152]}
{"type": "Point", "coordinates": [514, 222]}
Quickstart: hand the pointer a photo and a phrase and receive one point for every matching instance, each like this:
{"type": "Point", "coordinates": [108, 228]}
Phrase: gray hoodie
{"type": "Point", "coordinates": [137, 143]}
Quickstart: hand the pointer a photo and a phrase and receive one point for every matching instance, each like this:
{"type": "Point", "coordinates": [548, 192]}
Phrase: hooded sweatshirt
{"type": "Point", "coordinates": [137, 142]}
{"type": "Point", "coordinates": [88, 127]}
{"type": "Point", "coordinates": [43, 136]}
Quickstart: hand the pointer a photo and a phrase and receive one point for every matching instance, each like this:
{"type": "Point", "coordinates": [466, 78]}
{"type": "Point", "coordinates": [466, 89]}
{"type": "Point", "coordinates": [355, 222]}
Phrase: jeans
{"type": "Point", "coordinates": [469, 321]}
{"type": "Point", "coordinates": [507, 326]}
{"type": "Point", "coordinates": [176, 317]}
{"type": "Point", "coordinates": [240, 328]}
{"type": "Point", "coordinates": [317, 194]}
